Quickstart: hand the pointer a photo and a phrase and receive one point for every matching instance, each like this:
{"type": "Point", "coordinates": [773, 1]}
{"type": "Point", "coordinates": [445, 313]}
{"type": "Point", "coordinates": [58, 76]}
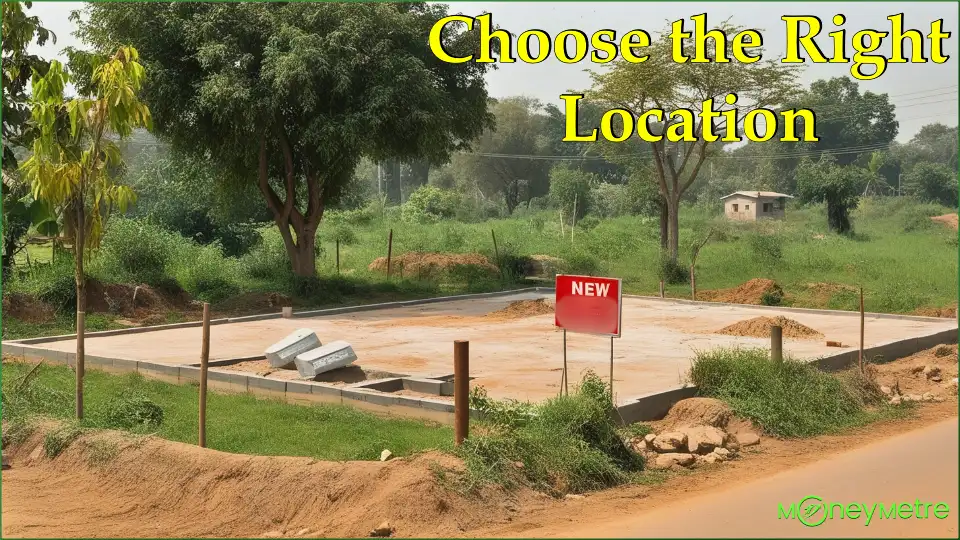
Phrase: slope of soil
{"type": "Point", "coordinates": [697, 411]}
{"type": "Point", "coordinates": [254, 303]}
{"type": "Point", "coordinates": [27, 308]}
{"type": "Point", "coordinates": [543, 266]}
{"type": "Point", "coordinates": [949, 312]}
{"type": "Point", "coordinates": [908, 372]}
{"type": "Point", "coordinates": [760, 327]}
{"type": "Point", "coordinates": [108, 484]}
{"type": "Point", "coordinates": [950, 220]}
{"type": "Point", "coordinates": [523, 308]}
{"type": "Point", "coordinates": [750, 292]}
{"type": "Point", "coordinates": [425, 265]}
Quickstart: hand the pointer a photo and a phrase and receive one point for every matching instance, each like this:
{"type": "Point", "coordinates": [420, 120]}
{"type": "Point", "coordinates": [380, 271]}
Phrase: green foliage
{"type": "Point", "coordinates": [566, 444]}
{"type": "Point", "coordinates": [787, 399]}
{"type": "Point", "coordinates": [55, 442]}
{"type": "Point", "coordinates": [429, 204]}
{"type": "Point", "coordinates": [570, 190]}
{"type": "Point", "coordinates": [932, 182]}
{"type": "Point", "coordinates": [672, 272]}
{"type": "Point", "coordinates": [136, 251]}
{"type": "Point", "coordinates": [131, 412]}
{"type": "Point", "coordinates": [588, 223]}
{"type": "Point", "coordinates": [838, 186]}
{"type": "Point", "coordinates": [766, 248]}
{"type": "Point", "coordinates": [771, 298]}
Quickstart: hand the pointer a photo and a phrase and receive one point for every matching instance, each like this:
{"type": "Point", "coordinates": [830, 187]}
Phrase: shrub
{"type": "Point", "coordinates": [580, 263]}
{"type": "Point", "coordinates": [55, 442]}
{"type": "Point", "coordinates": [131, 412]}
{"type": "Point", "coordinates": [771, 298]}
{"type": "Point", "coordinates": [588, 223]}
{"type": "Point", "coordinates": [269, 259]}
{"type": "Point", "coordinates": [789, 398]}
{"type": "Point", "coordinates": [135, 250]}
{"type": "Point", "coordinates": [567, 444]}
{"type": "Point", "coordinates": [672, 272]}
{"type": "Point", "coordinates": [765, 247]}
{"type": "Point", "coordinates": [203, 272]}
{"type": "Point", "coordinates": [430, 204]}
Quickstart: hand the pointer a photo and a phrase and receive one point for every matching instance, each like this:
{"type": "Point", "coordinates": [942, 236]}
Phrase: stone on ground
{"type": "Point", "coordinates": [283, 352]}
{"type": "Point", "coordinates": [748, 438]}
{"type": "Point", "coordinates": [386, 455]}
{"type": "Point", "coordinates": [331, 356]}
{"type": "Point", "coordinates": [703, 439]}
{"type": "Point", "coordinates": [382, 530]}
{"type": "Point", "coordinates": [667, 461]}
{"type": "Point", "coordinates": [671, 441]}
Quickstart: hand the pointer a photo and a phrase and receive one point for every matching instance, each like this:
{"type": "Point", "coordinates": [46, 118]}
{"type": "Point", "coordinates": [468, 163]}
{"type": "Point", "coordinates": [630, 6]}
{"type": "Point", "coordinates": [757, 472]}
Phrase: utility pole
{"type": "Point", "coordinates": [899, 184]}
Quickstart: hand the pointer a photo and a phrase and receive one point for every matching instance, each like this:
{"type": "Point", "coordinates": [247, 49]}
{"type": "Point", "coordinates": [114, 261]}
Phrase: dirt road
{"type": "Point", "coordinates": [920, 465]}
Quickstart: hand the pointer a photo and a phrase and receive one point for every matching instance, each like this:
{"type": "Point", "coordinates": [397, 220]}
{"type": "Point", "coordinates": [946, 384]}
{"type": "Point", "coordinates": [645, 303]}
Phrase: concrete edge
{"type": "Point", "coordinates": [267, 316]}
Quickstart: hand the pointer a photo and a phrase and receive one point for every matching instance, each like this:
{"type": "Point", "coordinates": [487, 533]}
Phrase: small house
{"type": "Point", "coordinates": [754, 205]}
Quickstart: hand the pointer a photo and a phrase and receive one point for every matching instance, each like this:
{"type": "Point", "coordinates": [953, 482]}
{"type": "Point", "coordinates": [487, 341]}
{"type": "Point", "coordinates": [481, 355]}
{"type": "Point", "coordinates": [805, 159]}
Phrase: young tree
{"type": "Point", "coordinates": [932, 182]}
{"type": "Point", "coordinates": [74, 158]}
{"type": "Point", "coordinates": [661, 83]}
{"type": "Point", "coordinates": [836, 185]}
{"type": "Point", "coordinates": [289, 96]}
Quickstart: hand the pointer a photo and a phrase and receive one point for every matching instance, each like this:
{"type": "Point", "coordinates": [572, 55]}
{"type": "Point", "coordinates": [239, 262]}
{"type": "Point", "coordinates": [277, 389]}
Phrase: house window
{"type": "Point", "coordinates": [767, 208]}
{"type": "Point", "coordinates": [746, 207]}
{"type": "Point", "coordinates": [736, 208]}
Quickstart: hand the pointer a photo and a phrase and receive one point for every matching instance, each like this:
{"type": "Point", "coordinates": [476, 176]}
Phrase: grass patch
{"type": "Point", "coordinates": [568, 444]}
{"type": "Point", "coordinates": [789, 398]}
{"type": "Point", "coordinates": [235, 423]}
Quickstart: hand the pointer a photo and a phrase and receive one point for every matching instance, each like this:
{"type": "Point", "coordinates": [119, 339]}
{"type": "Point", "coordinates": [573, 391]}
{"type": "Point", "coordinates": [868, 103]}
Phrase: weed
{"type": "Point", "coordinates": [101, 451]}
{"type": "Point", "coordinates": [132, 411]}
{"type": "Point", "coordinates": [58, 440]}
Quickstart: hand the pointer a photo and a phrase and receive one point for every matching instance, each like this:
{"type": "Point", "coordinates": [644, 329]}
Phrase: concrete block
{"type": "Point", "coordinates": [124, 365]}
{"type": "Point", "coordinates": [190, 374]}
{"type": "Point", "coordinates": [383, 385]}
{"type": "Point", "coordinates": [436, 405]}
{"type": "Point", "coordinates": [283, 352]}
{"type": "Point", "coordinates": [326, 393]}
{"type": "Point", "coordinates": [94, 360]}
{"type": "Point", "coordinates": [372, 396]}
{"type": "Point", "coordinates": [227, 382]}
{"type": "Point", "coordinates": [294, 387]}
{"type": "Point", "coordinates": [264, 387]}
{"type": "Point", "coordinates": [331, 356]}
{"type": "Point", "coordinates": [427, 386]}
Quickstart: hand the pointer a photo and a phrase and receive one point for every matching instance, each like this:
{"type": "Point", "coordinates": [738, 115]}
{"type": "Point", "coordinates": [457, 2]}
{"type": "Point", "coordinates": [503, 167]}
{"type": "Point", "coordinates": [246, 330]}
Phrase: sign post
{"type": "Point", "coordinates": [588, 305]}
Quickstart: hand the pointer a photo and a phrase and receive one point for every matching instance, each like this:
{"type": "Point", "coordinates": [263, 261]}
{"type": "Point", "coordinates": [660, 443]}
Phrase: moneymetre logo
{"type": "Point", "coordinates": [812, 511]}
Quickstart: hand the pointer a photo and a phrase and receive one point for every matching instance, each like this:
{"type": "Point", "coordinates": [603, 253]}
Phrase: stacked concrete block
{"type": "Point", "coordinates": [283, 352]}
{"type": "Point", "coordinates": [328, 357]}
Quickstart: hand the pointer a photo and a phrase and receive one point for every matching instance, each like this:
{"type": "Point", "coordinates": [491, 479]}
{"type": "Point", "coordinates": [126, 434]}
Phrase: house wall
{"type": "Point", "coordinates": [774, 213]}
{"type": "Point", "coordinates": [742, 213]}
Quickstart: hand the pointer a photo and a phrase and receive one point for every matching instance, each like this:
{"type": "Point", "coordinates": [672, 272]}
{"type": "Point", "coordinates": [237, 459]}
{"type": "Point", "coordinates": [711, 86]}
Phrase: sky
{"type": "Point", "coordinates": [922, 93]}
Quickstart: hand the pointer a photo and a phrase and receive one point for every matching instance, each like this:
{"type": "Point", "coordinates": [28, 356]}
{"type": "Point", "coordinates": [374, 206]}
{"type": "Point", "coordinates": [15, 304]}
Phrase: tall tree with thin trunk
{"type": "Point", "coordinates": [289, 96]}
{"type": "Point", "coordinates": [75, 157]}
{"type": "Point", "coordinates": [661, 83]}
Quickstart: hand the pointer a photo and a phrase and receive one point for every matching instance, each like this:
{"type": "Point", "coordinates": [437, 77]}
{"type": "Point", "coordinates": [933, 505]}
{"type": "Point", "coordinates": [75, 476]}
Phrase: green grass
{"type": "Point", "coordinates": [235, 423]}
{"type": "Point", "coordinates": [789, 398]}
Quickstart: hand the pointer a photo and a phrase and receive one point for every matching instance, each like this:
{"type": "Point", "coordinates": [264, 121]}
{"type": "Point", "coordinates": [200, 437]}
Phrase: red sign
{"type": "Point", "coordinates": [589, 305]}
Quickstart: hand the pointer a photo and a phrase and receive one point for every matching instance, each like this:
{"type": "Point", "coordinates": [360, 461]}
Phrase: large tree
{"type": "Point", "coordinates": [291, 95]}
{"type": "Point", "coordinates": [661, 83]}
{"type": "Point", "coordinates": [839, 186]}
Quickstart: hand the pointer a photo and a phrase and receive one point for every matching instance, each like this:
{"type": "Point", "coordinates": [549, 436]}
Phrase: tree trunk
{"type": "Point", "coordinates": [663, 225]}
{"type": "Point", "coordinates": [673, 228]}
{"type": "Point", "coordinates": [78, 248]}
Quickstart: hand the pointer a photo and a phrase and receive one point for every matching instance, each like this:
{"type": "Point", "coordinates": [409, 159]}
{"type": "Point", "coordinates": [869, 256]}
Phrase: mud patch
{"type": "Point", "coordinates": [433, 265]}
{"type": "Point", "coordinates": [950, 220]}
{"type": "Point", "coordinates": [751, 292]}
{"type": "Point", "coordinates": [522, 309]}
{"type": "Point", "coordinates": [760, 327]}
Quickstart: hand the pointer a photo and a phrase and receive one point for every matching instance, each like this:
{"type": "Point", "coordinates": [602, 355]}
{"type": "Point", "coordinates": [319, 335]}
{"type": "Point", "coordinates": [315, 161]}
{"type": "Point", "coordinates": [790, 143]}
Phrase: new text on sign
{"type": "Point", "coordinates": [590, 289]}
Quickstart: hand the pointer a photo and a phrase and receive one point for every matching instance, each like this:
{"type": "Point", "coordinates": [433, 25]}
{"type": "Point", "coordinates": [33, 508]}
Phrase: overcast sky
{"type": "Point", "coordinates": [923, 93]}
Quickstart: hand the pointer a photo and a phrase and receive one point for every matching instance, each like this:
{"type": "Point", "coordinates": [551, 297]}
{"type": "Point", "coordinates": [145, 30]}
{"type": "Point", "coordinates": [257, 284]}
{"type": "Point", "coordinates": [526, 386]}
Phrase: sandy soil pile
{"type": "Point", "coordinates": [423, 265]}
{"type": "Point", "coordinates": [931, 370]}
{"type": "Point", "coordinates": [750, 292]}
{"type": "Point", "coordinates": [950, 220]}
{"type": "Point", "coordinates": [696, 411]}
{"type": "Point", "coordinates": [147, 487]}
{"type": "Point", "coordinates": [523, 308]}
{"type": "Point", "coordinates": [760, 327]}
{"type": "Point", "coordinates": [949, 312]}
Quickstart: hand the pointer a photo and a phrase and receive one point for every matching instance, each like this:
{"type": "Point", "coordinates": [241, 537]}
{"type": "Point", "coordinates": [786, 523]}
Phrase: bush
{"type": "Point", "coordinates": [567, 444]}
{"type": "Point", "coordinates": [269, 259]}
{"type": "Point", "coordinates": [135, 251]}
{"type": "Point", "coordinates": [771, 298]}
{"type": "Point", "coordinates": [430, 204]}
{"type": "Point", "coordinates": [765, 247]}
{"type": "Point", "coordinates": [580, 263]}
{"type": "Point", "coordinates": [672, 272]}
{"type": "Point", "coordinates": [787, 399]}
{"type": "Point", "coordinates": [588, 223]}
{"type": "Point", "coordinates": [203, 272]}
{"type": "Point", "coordinates": [131, 412]}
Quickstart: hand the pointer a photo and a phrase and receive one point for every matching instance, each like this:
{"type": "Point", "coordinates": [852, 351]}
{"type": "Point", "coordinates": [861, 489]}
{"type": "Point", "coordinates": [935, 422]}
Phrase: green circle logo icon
{"type": "Point", "coordinates": [808, 510]}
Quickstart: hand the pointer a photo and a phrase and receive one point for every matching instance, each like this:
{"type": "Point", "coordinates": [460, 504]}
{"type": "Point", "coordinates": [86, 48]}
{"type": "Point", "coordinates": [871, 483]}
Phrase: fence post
{"type": "Point", "coordinates": [496, 250]}
{"type": "Point", "coordinates": [776, 343]}
{"type": "Point", "coordinates": [204, 360]}
{"type": "Point", "coordinates": [338, 256]}
{"type": "Point", "coordinates": [860, 358]}
{"type": "Point", "coordinates": [389, 251]}
{"type": "Point", "coordinates": [461, 390]}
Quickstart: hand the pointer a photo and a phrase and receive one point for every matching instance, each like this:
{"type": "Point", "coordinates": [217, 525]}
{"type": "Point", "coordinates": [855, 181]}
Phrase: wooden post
{"type": "Point", "coordinates": [566, 389]}
{"type": "Point", "coordinates": [611, 372]}
{"type": "Point", "coordinates": [338, 256]}
{"type": "Point", "coordinates": [661, 288]}
{"type": "Point", "coordinates": [204, 360]}
{"type": "Point", "coordinates": [496, 250]}
{"type": "Point", "coordinates": [693, 284]}
{"type": "Point", "coordinates": [81, 322]}
{"type": "Point", "coordinates": [389, 251]}
{"type": "Point", "coordinates": [861, 330]}
{"type": "Point", "coordinates": [776, 343]}
{"type": "Point", "coordinates": [461, 390]}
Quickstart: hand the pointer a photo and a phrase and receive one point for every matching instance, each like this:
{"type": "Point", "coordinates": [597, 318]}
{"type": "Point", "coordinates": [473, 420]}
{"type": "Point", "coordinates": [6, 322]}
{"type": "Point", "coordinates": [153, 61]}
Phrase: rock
{"type": "Point", "coordinates": [573, 496]}
{"type": "Point", "coordinates": [886, 390]}
{"type": "Point", "coordinates": [916, 370]}
{"type": "Point", "coordinates": [703, 439]}
{"type": "Point", "coordinates": [709, 458]}
{"type": "Point", "coordinates": [518, 464]}
{"type": "Point", "coordinates": [896, 400]}
{"type": "Point", "coordinates": [936, 378]}
{"type": "Point", "coordinates": [648, 440]}
{"type": "Point", "coordinates": [748, 438]}
{"type": "Point", "coordinates": [5, 462]}
{"type": "Point", "coordinates": [724, 453]}
{"type": "Point", "coordinates": [915, 397]}
{"type": "Point", "coordinates": [732, 444]}
{"type": "Point", "coordinates": [717, 457]}
{"type": "Point", "coordinates": [272, 534]}
{"type": "Point", "coordinates": [386, 455]}
{"type": "Point", "coordinates": [928, 396]}
{"type": "Point", "coordinates": [303, 532]}
{"type": "Point", "coordinates": [671, 441]}
{"type": "Point", "coordinates": [667, 461]}
{"type": "Point", "coordinates": [931, 371]}
{"type": "Point", "coordinates": [37, 452]}
{"type": "Point", "coordinates": [382, 530]}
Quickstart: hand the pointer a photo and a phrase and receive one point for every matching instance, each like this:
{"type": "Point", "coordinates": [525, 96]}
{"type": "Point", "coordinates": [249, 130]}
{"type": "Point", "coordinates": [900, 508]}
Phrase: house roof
{"type": "Point", "coordinates": [757, 194]}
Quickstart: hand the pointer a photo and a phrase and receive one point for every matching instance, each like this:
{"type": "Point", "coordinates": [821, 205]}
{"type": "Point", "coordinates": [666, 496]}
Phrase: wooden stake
{"type": "Point", "coordinates": [81, 325]}
{"type": "Point", "coordinates": [776, 343]}
{"type": "Point", "coordinates": [461, 390]}
{"type": "Point", "coordinates": [861, 330]}
{"type": "Point", "coordinates": [338, 256]}
{"type": "Point", "coordinates": [661, 288]}
{"type": "Point", "coordinates": [204, 360]}
{"type": "Point", "coordinates": [496, 250]}
{"type": "Point", "coordinates": [693, 283]}
{"type": "Point", "coordinates": [389, 251]}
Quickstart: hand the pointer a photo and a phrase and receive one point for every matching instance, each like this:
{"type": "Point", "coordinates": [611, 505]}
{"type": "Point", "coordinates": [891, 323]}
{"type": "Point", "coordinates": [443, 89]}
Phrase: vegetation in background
{"type": "Point", "coordinates": [568, 444]}
{"type": "Point", "coordinates": [785, 399]}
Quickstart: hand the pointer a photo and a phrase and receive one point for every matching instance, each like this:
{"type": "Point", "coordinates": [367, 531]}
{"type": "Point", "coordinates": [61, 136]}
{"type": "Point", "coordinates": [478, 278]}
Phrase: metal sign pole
{"type": "Point", "coordinates": [566, 390]}
{"type": "Point", "coordinates": [611, 369]}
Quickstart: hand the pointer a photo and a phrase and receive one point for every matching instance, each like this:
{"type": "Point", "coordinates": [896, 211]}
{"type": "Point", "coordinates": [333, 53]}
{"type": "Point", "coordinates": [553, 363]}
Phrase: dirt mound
{"type": "Point", "coordinates": [950, 220]}
{"type": "Point", "coordinates": [426, 265]}
{"type": "Point", "coordinates": [760, 327]}
{"type": "Point", "coordinates": [908, 372]}
{"type": "Point", "coordinates": [523, 308]}
{"type": "Point", "coordinates": [149, 487]}
{"type": "Point", "coordinates": [949, 312]}
{"type": "Point", "coordinates": [697, 411]}
{"type": "Point", "coordinates": [822, 293]}
{"type": "Point", "coordinates": [751, 292]}
{"type": "Point", "coordinates": [27, 308]}
{"type": "Point", "coordinates": [254, 303]}
{"type": "Point", "coordinates": [134, 300]}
